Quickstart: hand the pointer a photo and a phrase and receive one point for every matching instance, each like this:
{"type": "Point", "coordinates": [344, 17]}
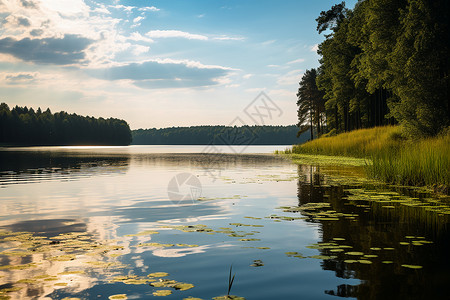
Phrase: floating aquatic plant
{"type": "Point", "coordinates": [412, 266]}
{"type": "Point", "coordinates": [257, 263]}
{"type": "Point", "coordinates": [161, 293]}
{"type": "Point", "coordinates": [118, 297]}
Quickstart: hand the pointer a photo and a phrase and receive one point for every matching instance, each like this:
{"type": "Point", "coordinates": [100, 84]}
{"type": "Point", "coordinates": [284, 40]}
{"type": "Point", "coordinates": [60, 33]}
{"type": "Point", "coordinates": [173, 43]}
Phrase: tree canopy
{"type": "Point", "coordinates": [25, 126]}
{"type": "Point", "coordinates": [311, 105]}
{"type": "Point", "coordinates": [385, 62]}
{"type": "Point", "coordinates": [219, 135]}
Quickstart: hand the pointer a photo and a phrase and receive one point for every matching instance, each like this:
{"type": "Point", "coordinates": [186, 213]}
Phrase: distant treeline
{"type": "Point", "coordinates": [25, 126]}
{"type": "Point", "coordinates": [383, 62]}
{"type": "Point", "coordinates": [219, 135]}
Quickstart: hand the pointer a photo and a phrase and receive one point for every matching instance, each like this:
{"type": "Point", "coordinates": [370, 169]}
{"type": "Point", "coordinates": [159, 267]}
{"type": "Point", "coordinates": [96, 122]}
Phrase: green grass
{"type": "Point", "coordinates": [394, 159]}
{"type": "Point", "coordinates": [420, 163]}
{"type": "Point", "coordinates": [357, 143]}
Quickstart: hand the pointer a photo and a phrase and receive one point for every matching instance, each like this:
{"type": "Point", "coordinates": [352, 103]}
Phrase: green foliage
{"type": "Point", "coordinates": [420, 64]}
{"type": "Point", "coordinates": [394, 159]}
{"type": "Point", "coordinates": [219, 135]}
{"type": "Point", "coordinates": [426, 162]}
{"type": "Point", "coordinates": [332, 18]}
{"type": "Point", "coordinates": [310, 104]}
{"type": "Point", "coordinates": [23, 126]}
{"type": "Point", "coordinates": [384, 62]}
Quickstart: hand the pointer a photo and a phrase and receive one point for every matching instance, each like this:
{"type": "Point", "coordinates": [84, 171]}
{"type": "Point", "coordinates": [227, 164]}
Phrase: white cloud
{"type": "Point", "coordinates": [139, 49]}
{"type": "Point", "coordinates": [123, 7]}
{"type": "Point", "coordinates": [56, 19]}
{"type": "Point", "coordinates": [137, 37]}
{"type": "Point", "coordinates": [138, 19]}
{"type": "Point", "coordinates": [300, 60]}
{"type": "Point", "coordinates": [65, 7]}
{"type": "Point", "coordinates": [148, 8]}
{"type": "Point", "coordinates": [228, 38]}
{"type": "Point", "coordinates": [102, 10]}
{"type": "Point", "coordinates": [247, 76]}
{"type": "Point", "coordinates": [314, 48]}
{"type": "Point", "coordinates": [175, 34]}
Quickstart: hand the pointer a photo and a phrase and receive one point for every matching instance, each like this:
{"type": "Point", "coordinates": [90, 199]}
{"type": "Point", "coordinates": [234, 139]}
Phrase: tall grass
{"type": "Point", "coordinates": [424, 162]}
{"type": "Point", "coordinates": [394, 158]}
{"type": "Point", "coordinates": [357, 143]}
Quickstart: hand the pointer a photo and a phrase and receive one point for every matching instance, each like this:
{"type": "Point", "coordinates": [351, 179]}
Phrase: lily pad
{"type": "Point", "coordinates": [162, 293]}
{"type": "Point", "coordinates": [355, 253]}
{"type": "Point", "coordinates": [183, 286]}
{"type": "Point", "coordinates": [364, 261]}
{"type": "Point", "coordinates": [337, 250]}
{"type": "Point", "coordinates": [164, 283]}
{"type": "Point", "coordinates": [257, 263]}
{"type": "Point", "coordinates": [158, 274]}
{"type": "Point", "coordinates": [412, 266]}
{"type": "Point", "coordinates": [350, 261]}
{"type": "Point", "coordinates": [322, 257]}
{"type": "Point", "coordinates": [118, 297]}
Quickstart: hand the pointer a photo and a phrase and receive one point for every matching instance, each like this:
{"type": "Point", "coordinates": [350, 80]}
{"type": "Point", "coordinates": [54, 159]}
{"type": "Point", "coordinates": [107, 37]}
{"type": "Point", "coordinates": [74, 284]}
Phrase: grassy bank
{"type": "Point", "coordinates": [394, 159]}
{"type": "Point", "coordinates": [357, 143]}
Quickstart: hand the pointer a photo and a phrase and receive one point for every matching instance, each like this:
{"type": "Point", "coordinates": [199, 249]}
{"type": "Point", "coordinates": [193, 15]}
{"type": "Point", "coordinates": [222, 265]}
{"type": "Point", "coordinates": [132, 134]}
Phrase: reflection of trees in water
{"type": "Point", "coordinates": [27, 166]}
{"type": "Point", "coordinates": [373, 228]}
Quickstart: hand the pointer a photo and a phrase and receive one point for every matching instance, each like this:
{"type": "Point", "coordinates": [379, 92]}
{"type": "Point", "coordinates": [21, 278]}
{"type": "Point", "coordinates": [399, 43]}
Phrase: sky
{"type": "Point", "coordinates": [160, 63]}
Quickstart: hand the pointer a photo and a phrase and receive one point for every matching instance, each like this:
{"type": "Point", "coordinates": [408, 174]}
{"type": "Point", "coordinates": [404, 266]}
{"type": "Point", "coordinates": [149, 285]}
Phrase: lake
{"type": "Point", "coordinates": [141, 222]}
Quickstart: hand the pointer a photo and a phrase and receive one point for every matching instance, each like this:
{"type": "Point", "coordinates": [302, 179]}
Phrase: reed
{"type": "Point", "coordinates": [422, 162]}
{"type": "Point", "coordinates": [425, 162]}
{"type": "Point", "coordinates": [230, 281]}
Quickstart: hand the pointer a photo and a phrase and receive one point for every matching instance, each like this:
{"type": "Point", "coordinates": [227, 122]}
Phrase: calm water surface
{"type": "Point", "coordinates": [92, 222]}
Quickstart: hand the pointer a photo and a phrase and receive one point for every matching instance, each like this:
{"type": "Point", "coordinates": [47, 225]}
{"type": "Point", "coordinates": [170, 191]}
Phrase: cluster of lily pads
{"type": "Point", "coordinates": [151, 279]}
{"type": "Point", "coordinates": [335, 250]}
{"type": "Point", "coordinates": [42, 252]}
{"type": "Point", "coordinates": [430, 211]}
{"type": "Point", "coordinates": [317, 211]}
{"type": "Point", "coordinates": [224, 230]}
{"type": "Point", "coordinates": [79, 246]}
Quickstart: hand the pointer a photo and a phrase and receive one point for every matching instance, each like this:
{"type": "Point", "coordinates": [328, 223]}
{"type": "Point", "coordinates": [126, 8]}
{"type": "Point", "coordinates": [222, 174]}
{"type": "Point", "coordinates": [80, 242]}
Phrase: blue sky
{"type": "Point", "coordinates": [157, 63]}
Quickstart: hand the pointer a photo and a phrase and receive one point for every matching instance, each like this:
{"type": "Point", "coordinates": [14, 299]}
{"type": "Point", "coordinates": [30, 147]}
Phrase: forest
{"type": "Point", "coordinates": [382, 63]}
{"type": "Point", "coordinates": [22, 126]}
{"type": "Point", "coordinates": [219, 135]}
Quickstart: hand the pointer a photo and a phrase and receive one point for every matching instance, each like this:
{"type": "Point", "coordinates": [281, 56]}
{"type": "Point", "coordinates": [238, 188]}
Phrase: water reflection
{"type": "Point", "coordinates": [386, 242]}
{"type": "Point", "coordinates": [91, 217]}
{"type": "Point", "coordinates": [41, 256]}
{"type": "Point", "coordinates": [28, 167]}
